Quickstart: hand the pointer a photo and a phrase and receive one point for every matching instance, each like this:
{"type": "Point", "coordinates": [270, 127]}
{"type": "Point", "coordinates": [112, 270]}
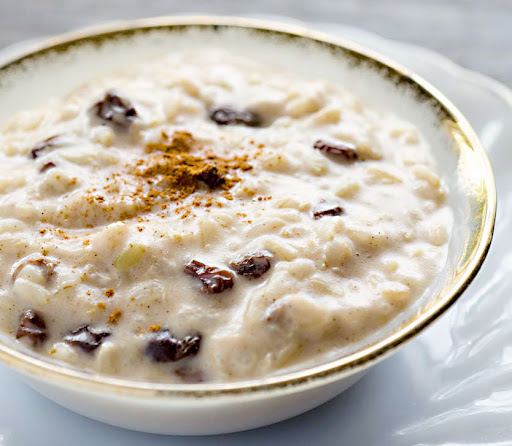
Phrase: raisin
{"type": "Point", "coordinates": [46, 265]}
{"type": "Point", "coordinates": [345, 150]}
{"type": "Point", "coordinates": [211, 177]}
{"type": "Point", "coordinates": [115, 111]}
{"type": "Point", "coordinates": [214, 280]}
{"type": "Point", "coordinates": [229, 116]}
{"type": "Point", "coordinates": [33, 326]}
{"type": "Point", "coordinates": [332, 212]}
{"type": "Point", "coordinates": [87, 338]}
{"type": "Point", "coordinates": [48, 143]}
{"type": "Point", "coordinates": [253, 266]}
{"type": "Point", "coordinates": [163, 346]}
{"type": "Point", "coordinates": [47, 166]}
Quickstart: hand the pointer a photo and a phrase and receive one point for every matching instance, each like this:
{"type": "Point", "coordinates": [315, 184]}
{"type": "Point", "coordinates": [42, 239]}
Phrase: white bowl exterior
{"type": "Point", "coordinates": [192, 415]}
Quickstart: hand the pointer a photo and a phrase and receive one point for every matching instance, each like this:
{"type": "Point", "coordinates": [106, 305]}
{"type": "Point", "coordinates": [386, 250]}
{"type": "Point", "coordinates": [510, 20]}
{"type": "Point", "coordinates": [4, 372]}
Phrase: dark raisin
{"type": "Point", "coordinates": [211, 177]}
{"type": "Point", "coordinates": [87, 338]}
{"type": "Point", "coordinates": [46, 265]}
{"type": "Point", "coordinates": [254, 265]}
{"type": "Point", "coordinates": [33, 326]}
{"type": "Point", "coordinates": [47, 166]}
{"type": "Point", "coordinates": [164, 347]}
{"type": "Point", "coordinates": [115, 111]}
{"type": "Point", "coordinates": [189, 374]}
{"type": "Point", "coordinates": [345, 150]}
{"type": "Point", "coordinates": [229, 116]}
{"type": "Point", "coordinates": [332, 212]}
{"type": "Point", "coordinates": [214, 280]}
{"type": "Point", "coordinates": [48, 143]}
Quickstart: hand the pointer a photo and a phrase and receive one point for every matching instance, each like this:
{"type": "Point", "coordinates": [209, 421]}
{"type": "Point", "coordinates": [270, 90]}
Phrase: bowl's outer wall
{"type": "Point", "coordinates": [187, 416]}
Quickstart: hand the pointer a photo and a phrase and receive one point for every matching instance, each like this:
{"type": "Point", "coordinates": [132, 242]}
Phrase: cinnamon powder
{"type": "Point", "coordinates": [174, 168]}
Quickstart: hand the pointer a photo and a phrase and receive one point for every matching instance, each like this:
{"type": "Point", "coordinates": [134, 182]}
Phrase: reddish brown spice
{"type": "Point", "coordinates": [115, 316]}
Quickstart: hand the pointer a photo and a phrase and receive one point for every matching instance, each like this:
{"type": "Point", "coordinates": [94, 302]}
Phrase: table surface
{"type": "Point", "coordinates": [474, 33]}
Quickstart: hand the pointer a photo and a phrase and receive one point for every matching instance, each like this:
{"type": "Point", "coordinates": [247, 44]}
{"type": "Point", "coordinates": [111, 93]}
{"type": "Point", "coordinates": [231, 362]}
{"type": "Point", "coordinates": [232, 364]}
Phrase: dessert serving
{"type": "Point", "coordinates": [207, 218]}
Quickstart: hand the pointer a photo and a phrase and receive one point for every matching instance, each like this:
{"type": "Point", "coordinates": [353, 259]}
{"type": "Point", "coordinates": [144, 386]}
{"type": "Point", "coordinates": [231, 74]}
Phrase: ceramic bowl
{"type": "Point", "coordinates": [62, 63]}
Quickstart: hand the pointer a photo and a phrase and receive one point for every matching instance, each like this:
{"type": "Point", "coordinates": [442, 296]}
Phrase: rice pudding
{"type": "Point", "coordinates": [206, 218]}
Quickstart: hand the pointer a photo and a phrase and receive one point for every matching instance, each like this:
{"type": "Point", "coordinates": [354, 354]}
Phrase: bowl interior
{"type": "Point", "coordinates": [54, 72]}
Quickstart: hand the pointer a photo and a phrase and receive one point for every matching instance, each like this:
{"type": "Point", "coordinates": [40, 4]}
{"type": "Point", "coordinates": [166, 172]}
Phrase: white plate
{"type": "Point", "coordinates": [451, 385]}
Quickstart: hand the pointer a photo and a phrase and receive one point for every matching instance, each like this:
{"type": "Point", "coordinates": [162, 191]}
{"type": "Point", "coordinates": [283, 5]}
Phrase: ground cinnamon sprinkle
{"type": "Point", "coordinates": [180, 142]}
{"type": "Point", "coordinates": [181, 173]}
{"type": "Point", "coordinates": [115, 316]}
{"type": "Point", "coordinates": [174, 168]}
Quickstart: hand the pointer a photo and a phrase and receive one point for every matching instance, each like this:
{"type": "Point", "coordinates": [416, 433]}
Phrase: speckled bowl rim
{"type": "Point", "coordinates": [335, 370]}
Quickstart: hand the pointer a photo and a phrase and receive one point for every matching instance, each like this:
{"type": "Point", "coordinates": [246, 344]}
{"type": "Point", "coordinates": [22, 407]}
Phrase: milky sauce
{"type": "Point", "coordinates": [317, 217]}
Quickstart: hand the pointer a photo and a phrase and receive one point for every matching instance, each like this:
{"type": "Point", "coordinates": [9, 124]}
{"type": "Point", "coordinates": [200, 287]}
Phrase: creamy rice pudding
{"type": "Point", "coordinates": [207, 218]}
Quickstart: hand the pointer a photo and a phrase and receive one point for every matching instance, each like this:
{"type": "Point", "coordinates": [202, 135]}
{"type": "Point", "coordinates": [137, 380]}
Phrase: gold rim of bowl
{"type": "Point", "coordinates": [466, 141]}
